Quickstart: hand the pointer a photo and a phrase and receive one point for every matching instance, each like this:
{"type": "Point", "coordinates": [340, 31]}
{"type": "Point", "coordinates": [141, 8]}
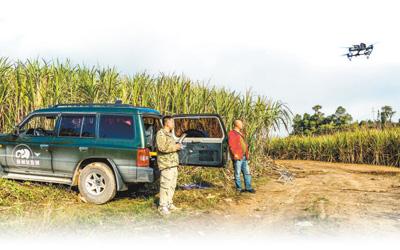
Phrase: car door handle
{"type": "Point", "coordinates": [44, 147]}
{"type": "Point", "coordinates": [83, 149]}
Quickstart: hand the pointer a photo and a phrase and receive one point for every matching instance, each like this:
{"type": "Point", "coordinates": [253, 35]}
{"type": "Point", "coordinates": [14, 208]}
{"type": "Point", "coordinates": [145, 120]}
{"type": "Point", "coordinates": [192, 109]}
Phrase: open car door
{"type": "Point", "coordinates": [204, 138]}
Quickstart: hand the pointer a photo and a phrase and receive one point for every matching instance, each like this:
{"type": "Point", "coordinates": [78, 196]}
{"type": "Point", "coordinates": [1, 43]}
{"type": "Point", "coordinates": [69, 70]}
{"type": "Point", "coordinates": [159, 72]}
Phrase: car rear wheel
{"type": "Point", "coordinates": [97, 183]}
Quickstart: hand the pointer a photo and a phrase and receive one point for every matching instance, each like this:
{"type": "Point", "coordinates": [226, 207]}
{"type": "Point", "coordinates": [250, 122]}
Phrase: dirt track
{"type": "Point", "coordinates": [324, 197]}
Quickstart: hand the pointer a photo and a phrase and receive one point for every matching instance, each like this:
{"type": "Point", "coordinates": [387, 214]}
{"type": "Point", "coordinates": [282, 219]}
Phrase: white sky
{"type": "Point", "coordinates": [286, 50]}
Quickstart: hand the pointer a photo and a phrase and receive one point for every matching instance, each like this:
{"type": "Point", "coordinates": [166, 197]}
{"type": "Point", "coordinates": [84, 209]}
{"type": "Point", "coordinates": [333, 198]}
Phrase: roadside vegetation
{"type": "Point", "coordinates": [364, 146]}
{"type": "Point", "coordinates": [337, 138]}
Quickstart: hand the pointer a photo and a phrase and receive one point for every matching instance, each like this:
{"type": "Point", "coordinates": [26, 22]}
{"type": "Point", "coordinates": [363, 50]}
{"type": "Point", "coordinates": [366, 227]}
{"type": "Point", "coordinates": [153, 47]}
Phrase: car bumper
{"type": "Point", "coordinates": [131, 174]}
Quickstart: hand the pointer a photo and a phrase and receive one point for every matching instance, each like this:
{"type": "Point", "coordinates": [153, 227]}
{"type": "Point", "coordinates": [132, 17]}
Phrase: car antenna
{"type": "Point", "coordinates": [118, 102]}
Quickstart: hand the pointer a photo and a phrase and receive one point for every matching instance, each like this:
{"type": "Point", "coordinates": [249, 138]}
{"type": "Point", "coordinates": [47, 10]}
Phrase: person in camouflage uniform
{"type": "Point", "coordinates": [168, 161]}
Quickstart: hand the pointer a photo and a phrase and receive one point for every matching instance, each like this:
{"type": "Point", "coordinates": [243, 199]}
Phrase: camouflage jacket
{"type": "Point", "coordinates": [167, 156]}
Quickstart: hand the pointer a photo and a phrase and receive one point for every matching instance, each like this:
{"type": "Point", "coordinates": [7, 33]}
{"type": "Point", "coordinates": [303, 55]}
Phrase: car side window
{"type": "Point", "coordinates": [89, 126]}
{"type": "Point", "coordinates": [151, 127]}
{"type": "Point", "coordinates": [116, 127]}
{"type": "Point", "coordinates": [71, 125]}
{"type": "Point", "coordinates": [203, 127]}
{"type": "Point", "coordinates": [40, 125]}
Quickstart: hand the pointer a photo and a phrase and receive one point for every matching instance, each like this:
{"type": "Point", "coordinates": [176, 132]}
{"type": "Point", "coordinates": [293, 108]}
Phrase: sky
{"type": "Point", "coordinates": [285, 50]}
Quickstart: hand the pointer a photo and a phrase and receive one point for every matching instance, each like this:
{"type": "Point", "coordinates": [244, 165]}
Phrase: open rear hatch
{"type": "Point", "coordinates": [204, 138]}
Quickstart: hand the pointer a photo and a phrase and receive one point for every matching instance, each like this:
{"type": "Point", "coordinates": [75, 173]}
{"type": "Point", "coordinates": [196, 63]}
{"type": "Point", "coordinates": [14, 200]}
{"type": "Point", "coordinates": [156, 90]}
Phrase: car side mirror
{"type": "Point", "coordinates": [16, 131]}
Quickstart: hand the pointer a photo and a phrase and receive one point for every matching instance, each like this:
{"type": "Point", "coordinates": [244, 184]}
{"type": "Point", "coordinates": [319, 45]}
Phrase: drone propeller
{"type": "Point", "coordinates": [372, 45]}
{"type": "Point", "coordinates": [348, 55]}
{"type": "Point", "coordinates": [355, 45]}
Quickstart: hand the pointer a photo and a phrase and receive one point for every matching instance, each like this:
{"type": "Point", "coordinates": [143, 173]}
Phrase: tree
{"type": "Point", "coordinates": [341, 117]}
{"type": "Point", "coordinates": [298, 126]}
{"type": "Point", "coordinates": [317, 119]}
{"type": "Point", "coordinates": [317, 109]}
{"type": "Point", "coordinates": [386, 114]}
{"type": "Point", "coordinates": [318, 123]}
{"type": "Point", "coordinates": [340, 111]}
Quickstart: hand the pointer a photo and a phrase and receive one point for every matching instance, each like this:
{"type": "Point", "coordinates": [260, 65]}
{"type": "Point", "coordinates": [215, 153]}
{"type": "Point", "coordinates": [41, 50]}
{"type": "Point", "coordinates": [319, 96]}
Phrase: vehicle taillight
{"type": "Point", "coordinates": [143, 157]}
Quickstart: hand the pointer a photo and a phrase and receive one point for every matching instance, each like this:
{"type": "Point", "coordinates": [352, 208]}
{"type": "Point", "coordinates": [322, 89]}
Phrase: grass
{"type": "Point", "coordinates": [42, 207]}
{"type": "Point", "coordinates": [38, 206]}
{"type": "Point", "coordinates": [51, 206]}
{"type": "Point", "coordinates": [364, 146]}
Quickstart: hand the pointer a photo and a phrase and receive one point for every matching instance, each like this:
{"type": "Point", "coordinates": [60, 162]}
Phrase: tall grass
{"type": "Point", "coordinates": [367, 146]}
{"type": "Point", "coordinates": [26, 86]}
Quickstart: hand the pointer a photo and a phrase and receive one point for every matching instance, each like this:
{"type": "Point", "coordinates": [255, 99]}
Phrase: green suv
{"type": "Point", "coordinates": [101, 148]}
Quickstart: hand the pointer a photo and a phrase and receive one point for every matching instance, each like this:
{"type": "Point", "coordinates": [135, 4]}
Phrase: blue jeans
{"type": "Point", "coordinates": [242, 166]}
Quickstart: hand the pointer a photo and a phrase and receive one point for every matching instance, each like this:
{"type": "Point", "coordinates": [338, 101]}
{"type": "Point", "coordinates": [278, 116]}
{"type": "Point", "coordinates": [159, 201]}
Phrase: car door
{"type": "Point", "coordinates": [205, 140]}
{"type": "Point", "coordinates": [75, 141]}
{"type": "Point", "coordinates": [29, 151]}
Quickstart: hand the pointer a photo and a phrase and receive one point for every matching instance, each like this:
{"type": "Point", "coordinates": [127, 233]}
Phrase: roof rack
{"type": "Point", "coordinates": [91, 105]}
{"type": "Point", "coordinates": [118, 103]}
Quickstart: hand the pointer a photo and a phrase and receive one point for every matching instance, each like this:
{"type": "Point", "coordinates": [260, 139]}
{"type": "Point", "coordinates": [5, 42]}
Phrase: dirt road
{"type": "Point", "coordinates": [324, 197]}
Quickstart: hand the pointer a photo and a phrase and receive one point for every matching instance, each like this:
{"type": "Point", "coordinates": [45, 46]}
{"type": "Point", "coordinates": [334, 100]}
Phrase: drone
{"type": "Point", "coordinates": [359, 50]}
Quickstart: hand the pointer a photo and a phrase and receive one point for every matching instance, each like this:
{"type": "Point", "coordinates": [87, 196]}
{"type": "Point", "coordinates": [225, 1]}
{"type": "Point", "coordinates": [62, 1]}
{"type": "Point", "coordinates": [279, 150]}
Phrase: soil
{"type": "Point", "coordinates": [328, 198]}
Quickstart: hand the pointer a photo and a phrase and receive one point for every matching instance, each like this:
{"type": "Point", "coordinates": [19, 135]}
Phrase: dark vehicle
{"type": "Point", "coordinates": [101, 148]}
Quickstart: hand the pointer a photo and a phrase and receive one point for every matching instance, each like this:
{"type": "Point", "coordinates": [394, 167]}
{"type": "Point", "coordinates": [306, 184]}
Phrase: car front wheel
{"type": "Point", "coordinates": [97, 183]}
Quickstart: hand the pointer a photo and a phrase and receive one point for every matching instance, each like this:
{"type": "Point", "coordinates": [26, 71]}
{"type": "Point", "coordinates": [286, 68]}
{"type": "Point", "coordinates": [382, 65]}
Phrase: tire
{"type": "Point", "coordinates": [97, 183]}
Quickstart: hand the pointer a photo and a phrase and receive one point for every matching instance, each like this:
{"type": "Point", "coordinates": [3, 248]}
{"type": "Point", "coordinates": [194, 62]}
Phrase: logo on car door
{"type": "Point", "coordinates": [23, 156]}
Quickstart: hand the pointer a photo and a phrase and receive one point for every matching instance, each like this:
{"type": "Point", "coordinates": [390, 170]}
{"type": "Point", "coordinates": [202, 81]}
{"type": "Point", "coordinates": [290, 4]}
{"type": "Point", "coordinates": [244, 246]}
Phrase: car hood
{"type": "Point", "coordinates": [4, 136]}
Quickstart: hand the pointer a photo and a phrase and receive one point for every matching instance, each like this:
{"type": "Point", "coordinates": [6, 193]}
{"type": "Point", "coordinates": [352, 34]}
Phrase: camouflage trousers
{"type": "Point", "coordinates": [168, 180]}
